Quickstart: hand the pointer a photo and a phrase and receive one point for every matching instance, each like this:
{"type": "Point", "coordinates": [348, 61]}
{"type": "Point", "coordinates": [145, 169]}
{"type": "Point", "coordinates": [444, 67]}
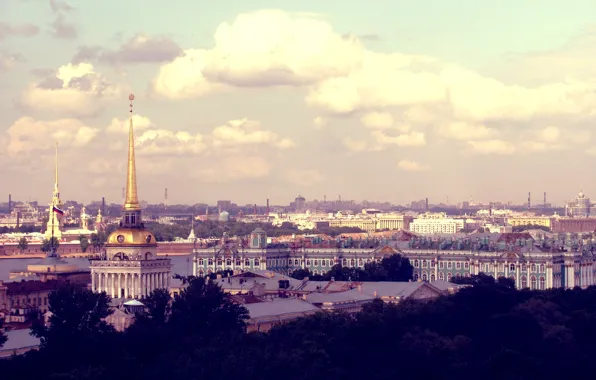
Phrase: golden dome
{"type": "Point", "coordinates": [131, 236]}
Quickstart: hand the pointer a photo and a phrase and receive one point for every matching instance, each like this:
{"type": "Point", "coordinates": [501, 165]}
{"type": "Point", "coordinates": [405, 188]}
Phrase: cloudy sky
{"type": "Point", "coordinates": [244, 99]}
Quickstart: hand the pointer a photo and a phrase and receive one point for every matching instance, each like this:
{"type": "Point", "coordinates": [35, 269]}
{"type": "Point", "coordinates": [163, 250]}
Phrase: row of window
{"type": "Point", "coordinates": [524, 268]}
{"type": "Point", "coordinates": [442, 264]}
{"type": "Point", "coordinates": [247, 262]}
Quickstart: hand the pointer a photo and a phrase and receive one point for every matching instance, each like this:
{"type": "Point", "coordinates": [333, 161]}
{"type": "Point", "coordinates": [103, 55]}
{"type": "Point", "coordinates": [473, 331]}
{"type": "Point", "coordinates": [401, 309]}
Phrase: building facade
{"type": "Point", "coordinates": [130, 267]}
{"type": "Point", "coordinates": [535, 264]}
{"type": "Point", "coordinates": [436, 223]}
{"type": "Point", "coordinates": [579, 207]}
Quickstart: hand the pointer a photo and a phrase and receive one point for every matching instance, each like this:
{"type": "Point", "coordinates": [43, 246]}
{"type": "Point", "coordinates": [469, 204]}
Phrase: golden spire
{"type": "Point", "coordinates": [56, 173]}
{"type": "Point", "coordinates": [131, 200]}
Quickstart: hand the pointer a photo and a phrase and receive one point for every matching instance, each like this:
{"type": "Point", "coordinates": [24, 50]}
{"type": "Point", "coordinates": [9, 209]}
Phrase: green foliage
{"type": "Point", "coordinates": [46, 245]}
{"type": "Point", "coordinates": [392, 268]}
{"type": "Point", "coordinates": [23, 244]}
{"type": "Point", "coordinates": [84, 243]}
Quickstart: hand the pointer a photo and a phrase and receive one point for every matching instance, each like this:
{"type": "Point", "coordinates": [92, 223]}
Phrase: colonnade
{"type": "Point", "coordinates": [129, 285]}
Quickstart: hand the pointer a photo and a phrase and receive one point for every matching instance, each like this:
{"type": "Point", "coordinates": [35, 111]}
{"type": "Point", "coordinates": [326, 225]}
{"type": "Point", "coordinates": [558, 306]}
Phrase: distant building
{"type": "Point", "coordinates": [436, 223]}
{"type": "Point", "coordinates": [579, 207]}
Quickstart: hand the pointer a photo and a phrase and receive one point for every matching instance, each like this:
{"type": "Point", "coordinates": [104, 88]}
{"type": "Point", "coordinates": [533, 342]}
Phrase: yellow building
{"type": "Point", "coordinates": [545, 221]}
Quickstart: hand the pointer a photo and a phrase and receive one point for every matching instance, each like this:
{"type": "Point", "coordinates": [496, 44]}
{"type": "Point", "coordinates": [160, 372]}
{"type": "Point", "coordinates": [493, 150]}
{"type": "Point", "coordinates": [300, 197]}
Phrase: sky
{"type": "Point", "coordinates": [248, 99]}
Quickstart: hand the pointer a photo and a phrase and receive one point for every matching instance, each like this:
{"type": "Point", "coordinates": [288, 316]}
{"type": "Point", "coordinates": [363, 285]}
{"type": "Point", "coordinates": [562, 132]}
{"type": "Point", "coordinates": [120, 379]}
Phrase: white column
{"type": "Point", "coordinates": [113, 284]}
{"type": "Point", "coordinates": [93, 281]}
{"type": "Point", "coordinates": [133, 290]}
{"type": "Point", "coordinates": [126, 284]}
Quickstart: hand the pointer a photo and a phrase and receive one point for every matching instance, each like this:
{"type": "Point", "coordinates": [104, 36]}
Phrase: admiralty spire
{"type": "Point", "coordinates": [130, 267]}
{"type": "Point", "coordinates": [55, 213]}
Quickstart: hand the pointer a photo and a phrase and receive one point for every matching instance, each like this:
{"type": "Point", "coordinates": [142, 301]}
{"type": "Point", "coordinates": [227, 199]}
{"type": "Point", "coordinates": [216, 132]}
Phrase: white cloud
{"type": "Point", "coordinates": [459, 130]}
{"type": "Point", "coordinates": [121, 125]}
{"type": "Point", "coordinates": [76, 90]}
{"type": "Point", "coordinates": [377, 120]}
{"type": "Point", "coordinates": [303, 177]}
{"type": "Point", "coordinates": [319, 122]}
{"type": "Point", "coordinates": [354, 145]}
{"type": "Point", "coordinates": [550, 134]}
{"type": "Point", "coordinates": [27, 135]}
{"type": "Point", "coordinates": [247, 132]}
{"type": "Point", "coordinates": [501, 147]}
{"type": "Point", "coordinates": [234, 168]}
{"type": "Point", "coordinates": [166, 142]}
{"type": "Point", "coordinates": [412, 166]}
{"type": "Point", "coordinates": [412, 139]}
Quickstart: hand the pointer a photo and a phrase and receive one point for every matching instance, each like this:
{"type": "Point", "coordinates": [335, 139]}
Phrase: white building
{"type": "Point", "coordinates": [436, 223]}
{"type": "Point", "coordinates": [130, 268]}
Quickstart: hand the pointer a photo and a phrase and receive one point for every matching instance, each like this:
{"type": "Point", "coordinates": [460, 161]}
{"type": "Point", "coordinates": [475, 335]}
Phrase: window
{"type": "Point", "coordinates": [524, 267]}
{"type": "Point", "coordinates": [345, 262]}
{"type": "Point", "coordinates": [247, 262]}
{"type": "Point", "coordinates": [432, 277]}
{"type": "Point", "coordinates": [533, 267]}
{"type": "Point", "coordinates": [511, 267]}
{"type": "Point", "coordinates": [219, 261]}
{"type": "Point", "coordinates": [458, 265]}
{"type": "Point", "coordinates": [432, 263]}
{"type": "Point", "coordinates": [210, 262]}
{"type": "Point", "coordinates": [201, 262]}
{"type": "Point", "coordinates": [316, 263]}
{"type": "Point", "coordinates": [449, 275]}
{"type": "Point", "coordinates": [424, 264]}
{"type": "Point", "coordinates": [424, 276]}
{"type": "Point", "coordinates": [324, 263]}
{"type": "Point", "coordinates": [449, 265]}
{"type": "Point", "coordinates": [542, 268]}
{"type": "Point", "coordinates": [441, 265]}
{"type": "Point", "coordinates": [441, 276]}
{"type": "Point", "coordinates": [296, 262]}
{"type": "Point", "coordinates": [308, 262]}
{"type": "Point", "coordinates": [524, 282]}
{"type": "Point", "coordinates": [238, 262]}
{"type": "Point", "coordinates": [466, 265]}
{"type": "Point", "coordinates": [415, 276]}
{"type": "Point", "coordinates": [416, 264]}
{"type": "Point", "coordinates": [542, 283]}
{"type": "Point", "coordinates": [533, 282]}
{"type": "Point", "coordinates": [256, 262]}
{"type": "Point", "coordinates": [352, 262]}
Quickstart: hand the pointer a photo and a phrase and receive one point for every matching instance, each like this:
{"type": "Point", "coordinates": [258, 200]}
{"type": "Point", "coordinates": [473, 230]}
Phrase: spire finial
{"type": "Point", "coordinates": [131, 200]}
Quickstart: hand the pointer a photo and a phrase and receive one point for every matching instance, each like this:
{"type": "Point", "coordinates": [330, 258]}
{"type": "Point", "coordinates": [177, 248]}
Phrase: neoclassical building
{"type": "Point", "coordinates": [130, 267]}
{"type": "Point", "coordinates": [531, 263]}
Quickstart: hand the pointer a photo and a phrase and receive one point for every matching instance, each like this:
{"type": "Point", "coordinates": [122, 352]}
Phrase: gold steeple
{"type": "Point", "coordinates": [131, 200]}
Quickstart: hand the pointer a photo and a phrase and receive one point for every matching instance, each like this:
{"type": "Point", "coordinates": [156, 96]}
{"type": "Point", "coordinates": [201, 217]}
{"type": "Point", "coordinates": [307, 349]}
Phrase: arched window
{"type": "Point", "coordinates": [533, 282]}
{"type": "Point", "coordinates": [219, 261]}
{"type": "Point", "coordinates": [316, 263]}
{"type": "Point", "coordinates": [416, 263]}
{"type": "Point", "coordinates": [524, 282]}
{"type": "Point", "coordinates": [441, 276]}
{"type": "Point", "coordinates": [424, 276]}
{"type": "Point", "coordinates": [415, 276]}
{"type": "Point", "coordinates": [351, 262]}
{"type": "Point", "coordinates": [458, 275]}
{"type": "Point", "coordinates": [247, 262]}
{"type": "Point", "coordinates": [524, 268]}
{"type": "Point", "coordinates": [542, 283]}
{"type": "Point", "coordinates": [210, 262]}
{"type": "Point", "coordinates": [512, 267]}
{"type": "Point", "coordinates": [542, 268]}
{"type": "Point", "coordinates": [201, 262]}
{"type": "Point", "coordinates": [533, 267]}
{"type": "Point", "coordinates": [238, 262]}
{"type": "Point", "coordinates": [345, 262]}
{"type": "Point", "coordinates": [256, 262]}
{"type": "Point", "coordinates": [449, 275]}
{"type": "Point", "coordinates": [432, 277]}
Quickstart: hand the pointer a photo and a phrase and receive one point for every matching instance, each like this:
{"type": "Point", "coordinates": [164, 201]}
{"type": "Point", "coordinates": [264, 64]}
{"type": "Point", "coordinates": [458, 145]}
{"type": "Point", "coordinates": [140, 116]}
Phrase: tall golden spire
{"type": "Point", "coordinates": [56, 192]}
{"type": "Point", "coordinates": [131, 200]}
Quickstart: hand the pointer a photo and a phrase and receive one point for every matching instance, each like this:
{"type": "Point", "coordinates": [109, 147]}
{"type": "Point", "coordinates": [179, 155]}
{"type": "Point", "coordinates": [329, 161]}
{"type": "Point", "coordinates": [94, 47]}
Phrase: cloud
{"type": "Point", "coordinates": [141, 48]}
{"type": "Point", "coordinates": [62, 29]}
{"type": "Point", "coordinates": [377, 120]}
{"type": "Point", "coordinates": [460, 130]}
{"type": "Point", "coordinates": [8, 61]}
{"type": "Point", "coordinates": [246, 53]}
{"type": "Point", "coordinates": [247, 132]}
{"type": "Point", "coordinates": [27, 135]}
{"type": "Point", "coordinates": [18, 30]}
{"type": "Point", "coordinates": [303, 177]}
{"type": "Point", "coordinates": [500, 147]}
{"type": "Point", "coordinates": [319, 122]}
{"type": "Point", "coordinates": [412, 139]}
{"type": "Point", "coordinates": [76, 90]}
{"type": "Point", "coordinates": [354, 145]}
{"type": "Point", "coordinates": [60, 6]}
{"type": "Point", "coordinates": [411, 166]}
{"type": "Point", "coordinates": [120, 126]}
{"type": "Point", "coordinates": [234, 168]}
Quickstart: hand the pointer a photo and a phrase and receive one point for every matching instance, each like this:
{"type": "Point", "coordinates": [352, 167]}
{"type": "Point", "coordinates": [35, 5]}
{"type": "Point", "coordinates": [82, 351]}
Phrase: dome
{"type": "Point", "coordinates": [224, 216]}
{"type": "Point", "coordinates": [131, 236]}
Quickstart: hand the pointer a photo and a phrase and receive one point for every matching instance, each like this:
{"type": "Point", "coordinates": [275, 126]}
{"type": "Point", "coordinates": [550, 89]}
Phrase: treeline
{"type": "Point", "coordinates": [392, 268]}
{"type": "Point", "coordinates": [489, 331]}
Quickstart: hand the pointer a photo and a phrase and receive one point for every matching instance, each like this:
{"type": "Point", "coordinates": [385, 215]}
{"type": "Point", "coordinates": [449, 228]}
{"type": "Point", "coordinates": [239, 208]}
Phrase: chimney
{"type": "Point", "coordinates": [9, 203]}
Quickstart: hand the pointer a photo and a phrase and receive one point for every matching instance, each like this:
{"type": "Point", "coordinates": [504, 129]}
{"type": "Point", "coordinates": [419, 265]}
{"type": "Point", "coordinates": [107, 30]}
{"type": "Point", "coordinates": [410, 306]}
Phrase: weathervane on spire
{"type": "Point", "coordinates": [131, 97]}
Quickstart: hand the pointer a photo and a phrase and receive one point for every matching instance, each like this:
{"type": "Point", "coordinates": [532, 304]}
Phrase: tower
{"type": "Point", "coordinates": [165, 198]}
{"type": "Point", "coordinates": [529, 203]}
{"type": "Point", "coordinates": [55, 212]}
{"type": "Point", "coordinates": [267, 206]}
{"type": "Point", "coordinates": [102, 210]}
{"type": "Point", "coordinates": [544, 199]}
{"type": "Point", "coordinates": [130, 267]}
{"type": "Point", "coordinates": [9, 203]}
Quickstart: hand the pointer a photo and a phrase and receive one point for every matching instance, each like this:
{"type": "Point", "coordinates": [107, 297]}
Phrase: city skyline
{"type": "Point", "coordinates": [243, 102]}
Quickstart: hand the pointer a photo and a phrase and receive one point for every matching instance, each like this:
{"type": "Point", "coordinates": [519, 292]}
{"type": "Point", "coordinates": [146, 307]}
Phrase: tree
{"type": "Point", "coordinates": [23, 244]}
{"type": "Point", "coordinates": [46, 245]}
{"type": "Point", "coordinates": [77, 314]}
{"type": "Point", "coordinates": [398, 268]}
{"type": "Point", "coordinates": [84, 242]}
{"type": "Point", "coordinates": [376, 271]}
{"type": "Point", "coordinates": [301, 274]}
{"type": "Point", "coordinates": [158, 306]}
{"type": "Point", "coordinates": [203, 309]}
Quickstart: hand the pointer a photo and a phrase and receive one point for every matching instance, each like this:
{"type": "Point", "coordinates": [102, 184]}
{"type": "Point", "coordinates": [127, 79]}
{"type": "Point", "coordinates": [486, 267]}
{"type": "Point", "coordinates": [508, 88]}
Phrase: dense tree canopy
{"type": "Point", "coordinates": [392, 268]}
{"type": "Point", "coordinates": [488, 330]}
